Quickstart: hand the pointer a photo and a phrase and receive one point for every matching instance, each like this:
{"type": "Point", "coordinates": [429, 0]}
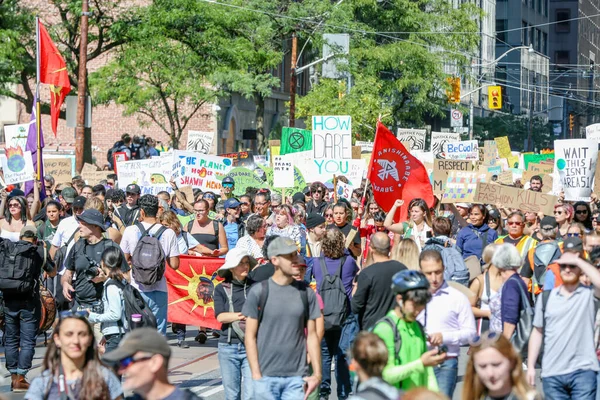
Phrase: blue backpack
{"type": "Point", "coordinates": [455, 269]}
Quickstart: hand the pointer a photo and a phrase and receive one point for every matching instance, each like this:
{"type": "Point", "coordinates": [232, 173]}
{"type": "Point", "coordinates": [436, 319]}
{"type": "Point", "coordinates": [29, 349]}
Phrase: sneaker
{"type": "Point", "coordinates": [19, 384]}
{"type": "Point", "coordinates": [216, 334]}
{"type": "Point", "coordinates": [201, 337]}
{"type": "Point", "coordinates": [183, 344]}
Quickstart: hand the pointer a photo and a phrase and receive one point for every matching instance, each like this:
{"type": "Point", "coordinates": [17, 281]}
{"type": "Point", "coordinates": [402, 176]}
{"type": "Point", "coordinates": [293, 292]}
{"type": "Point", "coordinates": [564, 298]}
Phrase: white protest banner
{"type": "Point", "coordinates": [332, 137]}
{"type": "Point", "coordinates": [365, 147]}
{"type": "Point", "coordinates": [16, 135]}
{"type": "Point", "coordinates": [438, 141]}
{"type": "Point", "coordinates": [415, 138]}
{"type": "Point", "coordinates": [152, 175]}
{"type": "Point", "coordinates": [593, 132]}
{"type": "Point", "coordinates": [261, 160]}
{"type": "Point", "coordinates": [323, 170]}
{"type": "Point", "coordinates": [200, 170]}
{"type": "Point", "coordinates": [200, 141]}
{"type": "Point", "coordinates": [283, 172]}
{"type": "Point", "coordinates": [17, 165]}
{"type": "Point", "coordinates": [574, 165]}
{"type": "Point", "coordinates": [465, 150]}
{"type": "Point", "coordinates": [344, 190]}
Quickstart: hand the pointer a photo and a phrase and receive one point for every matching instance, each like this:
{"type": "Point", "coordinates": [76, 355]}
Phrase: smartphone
{"type": "Point", "coordinates": [429, 234]}
{"type": "Point", "coordinates": [442, 349]}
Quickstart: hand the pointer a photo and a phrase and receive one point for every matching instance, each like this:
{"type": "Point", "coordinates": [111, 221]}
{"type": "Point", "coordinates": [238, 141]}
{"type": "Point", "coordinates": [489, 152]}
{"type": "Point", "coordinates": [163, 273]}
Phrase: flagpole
{"type": "Point", "coordinates": [38, 123]}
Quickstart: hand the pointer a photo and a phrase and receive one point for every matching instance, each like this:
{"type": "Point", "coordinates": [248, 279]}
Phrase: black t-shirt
{"type": "Point", "coordinates": [129, 216]}
{"type": "Point", "coordinates": [262, 272]}
{"type": "Point", "coordinates": [346, 230]}
{"type": "Point", "coordinates": [78, 261]}
{"type": "Point", "coordinates": [240, 291]}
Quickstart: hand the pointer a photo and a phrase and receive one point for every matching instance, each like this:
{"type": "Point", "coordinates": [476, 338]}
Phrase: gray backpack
{"type": "Point", "coordinates": [333, 293]}
{"type": "Point", "coordinates": [148, 258]}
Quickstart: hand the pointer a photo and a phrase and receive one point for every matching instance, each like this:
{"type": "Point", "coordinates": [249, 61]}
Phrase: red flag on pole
{"type": "Point", "coordinates": [53, 72]}
{"type": "Point", "coordinates": [395, 174]}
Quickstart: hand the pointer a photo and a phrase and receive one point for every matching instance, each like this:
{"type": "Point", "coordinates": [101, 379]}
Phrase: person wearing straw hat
{"type": "Point", "coordinates": [229, 299]}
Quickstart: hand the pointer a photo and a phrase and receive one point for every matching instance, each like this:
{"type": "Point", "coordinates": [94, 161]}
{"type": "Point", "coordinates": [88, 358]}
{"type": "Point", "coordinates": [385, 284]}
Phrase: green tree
{"type": "Point", "coordinates": [516, 128]}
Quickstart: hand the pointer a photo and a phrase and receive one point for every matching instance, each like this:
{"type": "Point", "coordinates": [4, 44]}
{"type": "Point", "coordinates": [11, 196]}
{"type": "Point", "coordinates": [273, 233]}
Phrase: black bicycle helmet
{"type": "Point", "coordinates": [406, 280]}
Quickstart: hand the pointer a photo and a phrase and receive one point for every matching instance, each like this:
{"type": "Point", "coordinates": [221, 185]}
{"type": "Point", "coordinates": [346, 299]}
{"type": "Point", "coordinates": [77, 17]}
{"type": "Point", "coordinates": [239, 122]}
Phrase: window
{"type": "Point", "coordinates": [544, 46]}
{"type": "Point", "coordinates": [536, 39]}
{"type": "Point", "coordinates": [561, 57]}
{"type": "Point", "coordinates": [501, 27]}
{"type": "Point", "coordinates": [539, 6]}
{"type": "Point", "coordinates": [524, 34]}
{"type": "Point", "coordinates": [562, 21]}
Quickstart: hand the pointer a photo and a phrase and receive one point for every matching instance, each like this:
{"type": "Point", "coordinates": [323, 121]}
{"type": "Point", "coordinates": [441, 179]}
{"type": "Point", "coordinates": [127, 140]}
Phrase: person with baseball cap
{"type": "Point", "coordinates": [541, 256]}
{"type": "Point", "coordinates": [129, 212]}
{"type": "Point", "coordinates": [234, 227]}
{"type": "Point", "coordinates": [228, 187]}
{"type": "Point", "coordinates": [142, 358]}
{"type": "Point", "coordinates": [284, 308]}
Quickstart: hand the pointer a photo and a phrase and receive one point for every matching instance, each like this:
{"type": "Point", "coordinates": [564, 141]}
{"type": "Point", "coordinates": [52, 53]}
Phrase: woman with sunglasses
{"type": "Point", "coordinates": [328, 214]}
{"type": "Point", "coordinates": [71, 368]}
{"type": "Point", "coordinates": [419, 224]}
{"type": "Point", "coordinates": [16, 216]}
{"type": "Point", "coordinates": [495, 222]}
{"type": "Point", "coordinates": [564, 215]}
{"type": "Point", "coordinates": [494, 371]}
{"type": "Point", "coordinates": [583, 215]}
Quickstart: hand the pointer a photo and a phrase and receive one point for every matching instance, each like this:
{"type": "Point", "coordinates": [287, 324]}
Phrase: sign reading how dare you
{"type": "Point", "coordinates": [332, 137]}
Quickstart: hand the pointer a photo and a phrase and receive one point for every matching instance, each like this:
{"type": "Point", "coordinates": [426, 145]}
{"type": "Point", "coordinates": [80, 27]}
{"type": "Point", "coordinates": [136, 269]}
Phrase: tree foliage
{"type": "Point", "coordinates": [516, 128]}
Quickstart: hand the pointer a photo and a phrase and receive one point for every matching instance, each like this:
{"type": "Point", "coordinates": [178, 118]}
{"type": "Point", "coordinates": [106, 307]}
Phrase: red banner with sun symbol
{"type": "Point", "coordinates": [191, 291]}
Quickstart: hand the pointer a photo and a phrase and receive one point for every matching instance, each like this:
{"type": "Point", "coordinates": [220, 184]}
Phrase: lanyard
{"type": "Point", "coordinates": [63, 388]}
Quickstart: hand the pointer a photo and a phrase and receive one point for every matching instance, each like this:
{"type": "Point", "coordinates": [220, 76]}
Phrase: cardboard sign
{"type": "Point", "coordinates": [200, 170]}
{"type": "Point", "coordinates": [490, 152]}
{"type": "Point", "coordinates": [465, 150]}
{"type": "Point", "coordinates": [503, 146]}
{"type": "Point", "coordinates": [356, 152]}
{"type": "Point", "coordinates": [332, 137]}
{"type": "Point", "coordinates": [414, 137]}
{"type": "Point", "coordinates": [537, 169]}
{"type": "Point", "coordinates": [575, 165]}
{"type": "Point", "coordinates": [461, 186]}
{"type": "Point", "coordinates": [200, 141]}
{"type": "Point", "coordinates": [17, 165]}
{"type": "Point", "coordinates": [493, 170]}
{"type": "Point", "coordinates": [283, 172]}
{"type": "Point", "coordinates": [61, 169]}
{"type": "Point", "coordinates": [439, 177]}
{"type": "Point", "coordinates": [88, 168]}
{"type": "Point", "coordinates": [188, 192]}
{"type": "Point", "coordinates": [510, 197]}
{"type": "Point", "coordinates": [344, 190]}
{"type": "Point", "coordinates": [438, 141]}
{"type": "Point", "coordinates": [506, 178]}
{"type": "Point", "coordinates": [94, 177]}
{"type": "Point", "coordinates": [537, 159]}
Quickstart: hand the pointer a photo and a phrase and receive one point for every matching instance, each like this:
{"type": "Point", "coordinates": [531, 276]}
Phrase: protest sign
{"type": "Point", "coordinates": [152, 174]}
{"type": "Point", "coordinates": [241, 159]}
{"type": "Point", "coordinates": [365, 147]}
{"type": "Point", "coordinates": [490, 152]}
{"type": "Point", "coordinates": [323, 170]}
{"type": "Point", "coordinates": [88, 168]}
{"type": "Point", "coordinates": [575, 164]}
{"type": "Point", "coordinates": [597, 177]}
{"type": "Point", "coordinates": [61, 169]}
{"type": "Point", "coordinates": [356, 152]}
{"type": "Point", "coordinates": [188, 193]}
{"type": "Point", "coordinates": [506, 178]}
{"type": "Point", "coordinates": [493, 170]}
{"type": "Point", "coordinates": [17, 165]}
{"type": "Point", "coordinates": [332, 137]}
{"type": "Point", "coordinates": [440, 172]}
{"type": "Point", "coordinates": [461, 186]}
{"type": "Point", "coordinates": [537, 169]}
{"type": "Point", "coordinates": [465, 150]}
{"type": "Point", "coordinates": [503, 146]}
{"type": "Point", "coordinates": [299, 181]}
{"type": "Point", "coordinates": [93, 177]}
{"type": "Point", "coordinates": [283, 173]}
{"type": "Point", "coordinates": [16, 136]}
{"type": "Point", "coordinates": [511, 197]}
{"type": "Point", "coordinates": [414, 137]}
{"type": "Point", "coordinates": [245, 178]}
{"type": "Point", "coordinates": [294, 140]}
{"type": "Point", "coordinates": [439, 139]}
{"type": "Point", "coordinates": [593, 132]}
{"type": "Point", "coordinates": [261, 160]}
{"type": "Point", "coordinates": [344, 190]}
{"type": "Point", "coordinates": [200, 170]}
{"type": "Point", "coordinates": [537, 159]}
{"type": "Point", "coordinates": [200, 141]}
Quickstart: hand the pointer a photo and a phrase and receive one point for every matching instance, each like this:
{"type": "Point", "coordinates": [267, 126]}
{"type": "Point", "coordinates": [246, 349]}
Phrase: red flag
{"type": "Point", "coordinates": [191, 291]}
{"type": "Point", "coordinates": [53, 72]}
{"type": "Point", "coordinates": [395, 174]}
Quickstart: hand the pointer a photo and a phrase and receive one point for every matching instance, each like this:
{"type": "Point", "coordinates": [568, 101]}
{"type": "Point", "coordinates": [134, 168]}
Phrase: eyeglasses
{"type": "Point", "coordinates": [14, 205]}
{"type": "Point", "coordinates": [244, 203]}
{"type": "Point", "coordinates": [73, 314]}
{"type": "Point", "coordinates": [208, 196]}
{"type": "Point", "coordinates": [199, 211]}
{"type": "Point", "coordinates": [581, 212]}
{"type": "Point", "coordinates": [261, 204]}
{"type": "Point", "coordinates": [486, 337]}
{"type": "Point", "coordinates": [569, 266]}
{"type": "Point", "coordinates": [514, 223]}
{"type": "Point", "coordinates": [126, 362]}
{"type": "Point", "coordinates": [573, 234]}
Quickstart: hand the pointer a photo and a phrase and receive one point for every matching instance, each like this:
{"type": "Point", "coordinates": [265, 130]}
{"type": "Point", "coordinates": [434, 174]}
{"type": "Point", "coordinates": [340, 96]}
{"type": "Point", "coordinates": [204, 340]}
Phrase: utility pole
{"type": "Point", "coordinates": [81, 88]}
{"type": "Point", "coordinates": [471, 116]}
{"type": "Point", "coordinates": [293, 80]}
{"type": "Point", "coordinates": [531, 102]}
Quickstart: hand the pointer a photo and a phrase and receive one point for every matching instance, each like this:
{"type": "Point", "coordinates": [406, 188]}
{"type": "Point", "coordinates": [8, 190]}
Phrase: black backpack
{"type": "Point", "coordinates": [118, 146]}
{"type": "Point", "coordinates": [19, 267]}
{"type": "Point", "coordinates": [148, 258]}
{"type": "Point", "coordinates": [333, 293]}
{"type": "Point", "coordinates": [134, 303]}
{"type": "Point", "coordinates": [61, 253]}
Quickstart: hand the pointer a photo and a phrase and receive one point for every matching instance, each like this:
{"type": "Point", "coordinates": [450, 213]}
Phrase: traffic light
{"type": "Point", "coordinates": [494, 97]}
{"type": "Point", "coordinates": [571, 122]}
{"type": "Point", "coordinates": [454, 92]}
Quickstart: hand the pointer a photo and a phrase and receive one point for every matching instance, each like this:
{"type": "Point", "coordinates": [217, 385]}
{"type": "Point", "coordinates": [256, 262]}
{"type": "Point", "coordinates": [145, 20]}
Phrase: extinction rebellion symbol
{"type": "Point", "coordinates": [296, 140]}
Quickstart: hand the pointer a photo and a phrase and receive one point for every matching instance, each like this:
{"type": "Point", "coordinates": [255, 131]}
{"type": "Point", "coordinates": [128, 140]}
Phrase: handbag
{"type": "Point", "coordinates": [520, 338]}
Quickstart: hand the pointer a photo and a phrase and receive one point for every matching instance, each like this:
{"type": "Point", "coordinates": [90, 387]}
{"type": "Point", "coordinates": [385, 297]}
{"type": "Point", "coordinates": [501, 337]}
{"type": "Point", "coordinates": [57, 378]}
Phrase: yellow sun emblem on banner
{"type": "Point", "coordinates": [200, 288]}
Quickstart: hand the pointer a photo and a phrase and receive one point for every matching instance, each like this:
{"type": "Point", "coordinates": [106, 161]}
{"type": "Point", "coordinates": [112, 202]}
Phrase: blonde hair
{"type": "Point", "coordinates": [170, 220]}
{"type": "Point", "coordinates": [94, 203]}
{"type": "Point", "coordinates": [488, 253]}
{"type": "Point", "coordinates": [423, 394]}
{"type": "Point", "coordinates": [406, 251]}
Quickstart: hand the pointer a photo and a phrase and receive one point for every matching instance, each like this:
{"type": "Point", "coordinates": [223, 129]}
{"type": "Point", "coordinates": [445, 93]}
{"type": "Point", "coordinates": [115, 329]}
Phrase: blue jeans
{"type": "Point", "coordinates": [330, 348]}
{"type": "Point", "coordinates": [22, 319]}
{"type": "Point", "coordinates": [158, 302]}
{"type": "Point", "coordinates": [446, 374]}
{"type": "Point", "coordinates": [280, 387]}
{"type": "Point", "coordinates": [235, 370]}
{"type": "Point", "coordinates": [578, 385]}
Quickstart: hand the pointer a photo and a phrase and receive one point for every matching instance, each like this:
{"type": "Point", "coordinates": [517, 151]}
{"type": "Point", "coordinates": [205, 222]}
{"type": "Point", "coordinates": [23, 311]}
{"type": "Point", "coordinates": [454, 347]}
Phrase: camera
{"type": "Point", "coordinates": [93, 270]}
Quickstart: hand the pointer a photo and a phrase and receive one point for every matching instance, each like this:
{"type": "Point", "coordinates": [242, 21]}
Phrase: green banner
{"type": "Point", "coordinates": [294, 140]}
{"type": "Point", "coordinates": [536, 158]}
{"type": "Point", "coordinates": [245, 178]}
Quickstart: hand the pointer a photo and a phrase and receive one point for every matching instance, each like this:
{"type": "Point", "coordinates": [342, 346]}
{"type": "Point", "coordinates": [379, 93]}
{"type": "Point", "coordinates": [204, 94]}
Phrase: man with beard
{"type": "Point", "coordinates": [535, 183]}
{"type": "Point", "coordinates": [564, 321]}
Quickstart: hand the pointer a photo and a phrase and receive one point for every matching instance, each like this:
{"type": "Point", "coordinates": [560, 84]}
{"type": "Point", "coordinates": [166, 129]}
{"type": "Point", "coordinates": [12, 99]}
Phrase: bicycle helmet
{"type": "Point", "coordinates": [228, 179]}
{"type": "Point", "coordinates": [406, 280]}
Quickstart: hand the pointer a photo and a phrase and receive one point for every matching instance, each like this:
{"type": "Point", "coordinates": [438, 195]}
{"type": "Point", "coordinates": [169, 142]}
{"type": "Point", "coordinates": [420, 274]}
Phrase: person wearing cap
{"type": "Point", "coordinates": [564, 323]}
{"type": "Point", "coordinates": [129, 212]}
{"type": "Point", "coordinates": [229, 299]}
{"type": "Point", "coordinates": [284, 308]}
{"type": "Point", "coordinates": [317, 203]}
{"type": "Point", "coordinates": [234, 227]}
{"type": "Point", "coordinates": [541, 256]}
{"type": "Point", "coordinates": [298, 198]}
{"type": "Point", "coordinates": [228, 188]}
{"type": "Point", "coordinates": [22, 311]}
{"type": "Point", "coordinates": [66, 196]}
{"type": "Point", "coordinates": [142, 358]}
{"type": "Point", "coordinates": [515, 224]}
{"type": "Point", "coordinates": [83, 262]}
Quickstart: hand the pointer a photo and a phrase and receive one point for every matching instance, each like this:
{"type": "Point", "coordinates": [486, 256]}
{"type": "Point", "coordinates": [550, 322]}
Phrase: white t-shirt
{"type": "Point", "coordinates": [64, 231]}
{"type": "Point", "coordinates": [168, 241]}
{"type": "Point", "coordinates": [191, 242]}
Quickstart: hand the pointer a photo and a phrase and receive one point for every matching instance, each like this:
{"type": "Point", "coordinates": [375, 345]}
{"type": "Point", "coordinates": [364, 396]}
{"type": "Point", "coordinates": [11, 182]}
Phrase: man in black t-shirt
{"type": "Point", "coordinates": [129, 212]}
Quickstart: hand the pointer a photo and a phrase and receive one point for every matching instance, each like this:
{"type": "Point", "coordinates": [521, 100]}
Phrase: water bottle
{"type": "Point", "coordinates": [136, 321]}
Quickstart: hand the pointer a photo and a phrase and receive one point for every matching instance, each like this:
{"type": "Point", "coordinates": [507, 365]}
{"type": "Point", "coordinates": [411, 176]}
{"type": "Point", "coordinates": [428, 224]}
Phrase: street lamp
{"type": "Point", "coordinates": [471, 117]}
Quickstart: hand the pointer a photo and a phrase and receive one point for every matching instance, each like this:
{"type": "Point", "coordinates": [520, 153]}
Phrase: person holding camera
{"type": "Point", "coordinates": [84, 261]}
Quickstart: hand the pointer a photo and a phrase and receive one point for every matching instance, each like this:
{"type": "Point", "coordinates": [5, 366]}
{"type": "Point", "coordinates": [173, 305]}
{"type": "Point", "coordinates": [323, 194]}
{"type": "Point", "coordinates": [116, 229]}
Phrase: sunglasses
{"type": "Point", "coordinates": [228, 185]}
{"type": "Point", "coordinates": [73, 314]}
{"type": "Point", "coordinates": [486, 337]}
{"type": "Point", "coordinates": [569, 266]}
{"type": "Point", "coordinates": [514, 223]}
{"type": "Point", "coordinates": [328, 215]}
{"type": "Point", "coordinates": [126, 362]}
{"type": "Point", "coordinates": [14, 205]}
{"type": "Point", "coordinates": [318, 191]}
{"type": "Point", "coordinates": [558, 212]}
{"type": "Point", "coordinates": [244, 203]}
{"type": "Point", "coordinates": [573, 234]}
{"type": "Point", "coordinates": [581, 212]}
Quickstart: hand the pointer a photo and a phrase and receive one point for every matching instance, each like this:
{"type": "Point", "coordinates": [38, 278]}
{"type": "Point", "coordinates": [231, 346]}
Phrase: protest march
{"type": "Point", "coordinates": [416, 265]}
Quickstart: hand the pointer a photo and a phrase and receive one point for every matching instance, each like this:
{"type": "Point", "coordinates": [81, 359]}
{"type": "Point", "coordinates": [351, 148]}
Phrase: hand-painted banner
{"type": "Point", "coordinates": [511, 197]}
{"type": "Point", "coordinates": [294, 140]}
{"type": "Point", "coordinates": [414, 137]}
{"type": "Point", "coordinates": [242, 159]}
{"type": "Point", "coordinates": [465, 150]}
{"type": "Point", "coordinates": [200, 141]}
{"type": "Point", "coordinates": [245, 178]}
{"type": "Point", "coordinates": [199, 170]}
{"type": "Point", "coordinates": [149, 173]}
{"type": "Point", "coordinates": [344, 190]}
{"type": "Point", "coordinates": [439, 139]}
{"type": "Point", "coordinates": [461, 186]}
{"type": "Point", "coordinates": [332, 137]}
{"type": "Point", "coordinates": [17, 165]}
{"type": "Point", "coordinates": [324, 169]}
{"type": "Point", "coordinates": [575, 165]}
{"type": "Point", "coordinates": [16, 136]}
{"type": "Point", "coordinates": [61, 169]}
{"type": "Point", "coordinates": [503, 147]}
{"type": "Point", "coordinates": [191, 291]}
{"type": "Point", "coordinates": [490, 152]}
{"type": "Point", "coordinates": [439, 178]}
